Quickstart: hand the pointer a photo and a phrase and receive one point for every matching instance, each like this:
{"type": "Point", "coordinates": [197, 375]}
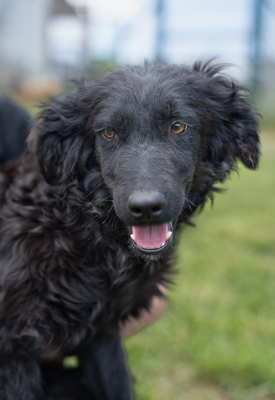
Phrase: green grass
{"type": "Point", "coordinates": [217, 337]}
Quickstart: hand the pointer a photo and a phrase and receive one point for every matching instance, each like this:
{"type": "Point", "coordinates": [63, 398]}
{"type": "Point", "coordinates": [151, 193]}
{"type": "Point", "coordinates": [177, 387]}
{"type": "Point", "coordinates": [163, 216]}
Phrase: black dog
{"type": "Point", "coordinates": [88, 216]}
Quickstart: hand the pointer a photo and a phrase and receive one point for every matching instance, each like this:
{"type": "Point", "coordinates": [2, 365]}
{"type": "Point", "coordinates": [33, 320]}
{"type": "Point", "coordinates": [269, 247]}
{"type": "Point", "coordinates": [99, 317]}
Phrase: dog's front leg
{"type": "Point", "coordinates": [19, 374]}
{"type": "Point", "coordinates": [105, 370]}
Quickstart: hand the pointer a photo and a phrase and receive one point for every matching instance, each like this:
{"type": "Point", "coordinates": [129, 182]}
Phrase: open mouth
{"type": "Point", "coordinates": [152, 240]}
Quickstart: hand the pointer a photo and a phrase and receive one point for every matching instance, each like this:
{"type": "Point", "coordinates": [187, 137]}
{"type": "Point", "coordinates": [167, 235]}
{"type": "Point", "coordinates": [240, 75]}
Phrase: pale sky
{"type": "Point", "coordinates": [196, 29]}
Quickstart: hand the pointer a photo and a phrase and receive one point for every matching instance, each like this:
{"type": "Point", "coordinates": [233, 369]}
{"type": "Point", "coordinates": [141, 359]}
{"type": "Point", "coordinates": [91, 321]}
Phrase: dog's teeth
{"type": "Point", "coordinates": [162, 244]}
{"type": "Point", "coordinates": [133, 237]}
{"type": "Point", "coordinates": [168, 235]}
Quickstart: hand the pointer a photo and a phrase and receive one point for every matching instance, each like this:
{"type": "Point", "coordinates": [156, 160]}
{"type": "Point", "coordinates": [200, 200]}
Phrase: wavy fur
{"type": "Point", "coordinates": [67, 273]}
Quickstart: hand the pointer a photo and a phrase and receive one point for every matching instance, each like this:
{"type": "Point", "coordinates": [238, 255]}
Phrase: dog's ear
{"type": "Point", "coordinates": [232, 121]}
{"type": "Point", "coordinates": [59, 136]}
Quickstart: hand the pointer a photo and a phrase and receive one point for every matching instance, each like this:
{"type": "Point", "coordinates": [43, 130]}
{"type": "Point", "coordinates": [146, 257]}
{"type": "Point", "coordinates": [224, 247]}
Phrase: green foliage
{"type": "Point", "coordinates": [217, 338]}
{"type": "Point", "coordinates": [100, 67]}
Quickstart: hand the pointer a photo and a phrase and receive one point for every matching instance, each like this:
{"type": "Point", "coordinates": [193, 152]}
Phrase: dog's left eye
{"type": "Point", "coordinates": [109, 133]}
{"type": "Point", "coordinates": [178, 128]}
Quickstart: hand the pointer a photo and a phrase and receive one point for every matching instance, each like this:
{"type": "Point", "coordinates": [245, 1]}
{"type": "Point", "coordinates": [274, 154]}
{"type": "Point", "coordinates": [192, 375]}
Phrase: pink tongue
{"type": "Point", "coordinates": [150, 236]}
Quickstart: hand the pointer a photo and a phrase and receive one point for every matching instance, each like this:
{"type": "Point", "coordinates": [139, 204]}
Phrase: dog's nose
{"type": "Point", "coordinates": [146, 206]}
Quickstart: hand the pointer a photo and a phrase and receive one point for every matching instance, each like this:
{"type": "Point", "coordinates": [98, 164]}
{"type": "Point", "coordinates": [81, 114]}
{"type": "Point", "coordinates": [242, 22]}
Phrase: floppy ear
{"type": "Point", "coordinates": [59, 136]}
{"type": "Point", "coordinates": [233, 128]}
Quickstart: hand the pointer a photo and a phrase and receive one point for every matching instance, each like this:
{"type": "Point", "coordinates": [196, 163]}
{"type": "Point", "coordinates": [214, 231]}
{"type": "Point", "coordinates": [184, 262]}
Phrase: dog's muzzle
{"type": "Point", "coordinates": [150, 237]}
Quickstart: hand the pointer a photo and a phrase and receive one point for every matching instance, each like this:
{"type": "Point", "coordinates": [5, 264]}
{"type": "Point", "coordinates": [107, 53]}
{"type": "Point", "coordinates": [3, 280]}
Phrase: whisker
{"type": "Point", "coordinates": [93, 190]}
{"type": "Point", "coordinates": [115, 222]}
{"type": "Point", "coordinates": [102, 200]}
{"type": "Point", "coordinates": [192, 204]}
{"type": "Point", "coordinates": [109, 216]}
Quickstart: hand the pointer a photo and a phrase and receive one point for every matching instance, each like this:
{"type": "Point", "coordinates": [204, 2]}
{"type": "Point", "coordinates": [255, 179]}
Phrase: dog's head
{"type": "Point", "coordinates": [160, 135]}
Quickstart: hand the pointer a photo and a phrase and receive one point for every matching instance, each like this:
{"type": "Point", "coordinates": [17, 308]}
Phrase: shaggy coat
{"type": "Point", "coordinates": [89, 214]}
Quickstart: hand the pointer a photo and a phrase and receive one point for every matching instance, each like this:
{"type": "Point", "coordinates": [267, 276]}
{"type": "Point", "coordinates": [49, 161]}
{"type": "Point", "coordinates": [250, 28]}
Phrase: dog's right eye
{"type": "Point", "coordinates": [109, 133]}
{"type": "Point", "coordinates": [178, 128]}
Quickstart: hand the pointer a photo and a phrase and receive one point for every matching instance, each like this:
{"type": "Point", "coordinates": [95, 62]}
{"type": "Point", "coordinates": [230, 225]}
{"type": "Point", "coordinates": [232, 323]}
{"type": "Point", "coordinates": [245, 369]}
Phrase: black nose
{"type": "Point", "coordinates": [146, 206]}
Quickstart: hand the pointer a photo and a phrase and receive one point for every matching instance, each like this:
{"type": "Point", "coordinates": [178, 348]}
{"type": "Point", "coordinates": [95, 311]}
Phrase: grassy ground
{"type": "Point", "coordinates": [217, 338]}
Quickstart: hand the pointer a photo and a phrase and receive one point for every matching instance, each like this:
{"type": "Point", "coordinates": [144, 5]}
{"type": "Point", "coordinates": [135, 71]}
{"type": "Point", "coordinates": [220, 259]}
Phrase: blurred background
{"type": "Point", "coordinates": [46, 42]}
{"type": "Point", "coordinates": [216, 340]}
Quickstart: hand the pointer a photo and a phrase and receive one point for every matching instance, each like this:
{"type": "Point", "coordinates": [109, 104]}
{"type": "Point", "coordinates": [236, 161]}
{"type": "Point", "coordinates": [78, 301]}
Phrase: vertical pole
{"type": "Point", "coordinates": [160, 31]}
{"type": "Point", "coordinates": [83, 13]}
{"type": "Point", "coordinates": [256, 45]}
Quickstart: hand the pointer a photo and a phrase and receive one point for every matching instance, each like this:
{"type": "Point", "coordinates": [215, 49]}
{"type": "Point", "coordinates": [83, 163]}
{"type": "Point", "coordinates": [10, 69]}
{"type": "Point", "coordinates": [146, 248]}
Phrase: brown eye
{"type": "Point", "coordinates": [109, 133]}
{"type": "Point", "coordinates": [178, 128]}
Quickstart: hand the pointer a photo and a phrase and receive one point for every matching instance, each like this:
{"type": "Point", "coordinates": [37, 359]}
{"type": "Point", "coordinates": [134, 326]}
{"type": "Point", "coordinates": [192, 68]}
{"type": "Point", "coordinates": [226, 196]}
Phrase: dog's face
{"type": "Point", "coordinates": [148, 144]}
{"type": "Point", "coordinates": [162, 135]}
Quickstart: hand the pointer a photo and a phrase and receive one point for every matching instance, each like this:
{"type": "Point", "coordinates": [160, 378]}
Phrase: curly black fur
{"type": "Point", "coordinates": [67, 274]}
